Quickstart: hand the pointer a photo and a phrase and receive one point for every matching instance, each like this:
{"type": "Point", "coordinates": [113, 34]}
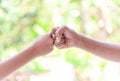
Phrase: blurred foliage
{"type": "Point", "coordinates": [21, 21]}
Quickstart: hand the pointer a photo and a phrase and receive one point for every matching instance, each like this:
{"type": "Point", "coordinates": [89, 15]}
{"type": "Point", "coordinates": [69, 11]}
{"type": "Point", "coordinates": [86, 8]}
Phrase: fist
{"type": "Point", "coordinates": [65, 37]}
{"type": "Point", "coordinates": [43, 45]}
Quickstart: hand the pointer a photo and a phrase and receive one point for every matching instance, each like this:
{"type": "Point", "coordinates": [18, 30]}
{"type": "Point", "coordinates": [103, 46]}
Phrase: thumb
{"type": "Point", "coordinates": [60, 34]}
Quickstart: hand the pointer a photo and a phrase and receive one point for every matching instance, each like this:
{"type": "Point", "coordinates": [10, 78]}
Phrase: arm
{"type": "Point", "coordinates": [72, 39]}
{"type": "Point", "coordinates": [106, 50]}
{"type": "Point", "coordinates": [40, 47]}
{"type": "Point", "coordinates": [12, 64]}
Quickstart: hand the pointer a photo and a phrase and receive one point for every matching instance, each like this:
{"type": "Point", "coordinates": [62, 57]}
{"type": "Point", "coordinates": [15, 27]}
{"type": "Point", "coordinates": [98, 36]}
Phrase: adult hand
{"type": "Point", "coordinates": [66, 37]}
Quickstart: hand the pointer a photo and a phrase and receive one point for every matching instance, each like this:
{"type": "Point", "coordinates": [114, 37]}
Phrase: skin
{"type": "Point", "coordinates": [62, 37]}
{"type": "Point", "coordinates": [40, 47]}
{"type": "Point", "coordinates": [66, 37]}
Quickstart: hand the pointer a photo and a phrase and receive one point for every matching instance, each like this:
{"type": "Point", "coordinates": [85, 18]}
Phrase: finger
{"type": "Point", "coordinates": [60, 31]}
{"type": "Point", "coordinates": [58, 39]}
{"type": "Point", "coordinates": [52, 33]}
{"type": "Point", "coordinates": [62, 46]}
{"type": "Point", "coordinates": [54, 30]}
{"type": "Point", "coordinates": [59, 34]}
{"type": "Point", "coordinates": [50, 37]}
{"type": "Point", "coordinates": [61, 42]}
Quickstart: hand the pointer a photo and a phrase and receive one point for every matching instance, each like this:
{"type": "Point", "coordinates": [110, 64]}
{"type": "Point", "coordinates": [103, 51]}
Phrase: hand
{"type": "Point", "coordinates": [43, 45]}
{"type": "Point", "coordinates": [65, 37]}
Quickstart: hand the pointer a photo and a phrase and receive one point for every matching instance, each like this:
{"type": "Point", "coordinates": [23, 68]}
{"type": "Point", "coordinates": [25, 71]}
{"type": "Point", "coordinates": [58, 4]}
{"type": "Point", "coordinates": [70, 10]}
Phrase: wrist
{"type": "Point", "coordinates": [79, 41]}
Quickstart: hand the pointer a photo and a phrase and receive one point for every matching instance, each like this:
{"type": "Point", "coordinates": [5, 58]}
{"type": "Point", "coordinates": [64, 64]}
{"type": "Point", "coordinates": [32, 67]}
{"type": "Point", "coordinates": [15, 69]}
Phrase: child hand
{"type": "Point", "coordinates": [43, 45]}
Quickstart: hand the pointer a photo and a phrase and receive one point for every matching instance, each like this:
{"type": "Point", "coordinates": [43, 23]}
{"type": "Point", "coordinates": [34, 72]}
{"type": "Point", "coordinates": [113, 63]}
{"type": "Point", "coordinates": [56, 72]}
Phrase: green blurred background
{"type": "Point", "coordinates": [21, 21]}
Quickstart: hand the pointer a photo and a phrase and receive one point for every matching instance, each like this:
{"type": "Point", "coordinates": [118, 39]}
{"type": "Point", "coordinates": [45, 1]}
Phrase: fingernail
{"type": "Point", "coordinates": [53, 36]}
{"type": "Point", "coordinates": [58, 40]}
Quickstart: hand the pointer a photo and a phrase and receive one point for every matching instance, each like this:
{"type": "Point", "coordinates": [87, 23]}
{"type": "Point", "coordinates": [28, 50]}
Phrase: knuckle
{"type": "Point", "coordinates": [65, 27]}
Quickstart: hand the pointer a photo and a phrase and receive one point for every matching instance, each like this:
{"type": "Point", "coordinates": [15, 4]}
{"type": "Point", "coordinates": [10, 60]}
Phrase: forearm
{"type": "Point", "coordinates": [11, 65]}
{"type": "Point", "coordinates": [105, 50]}
{"type": "Point", "coordinates": [41, 46]}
